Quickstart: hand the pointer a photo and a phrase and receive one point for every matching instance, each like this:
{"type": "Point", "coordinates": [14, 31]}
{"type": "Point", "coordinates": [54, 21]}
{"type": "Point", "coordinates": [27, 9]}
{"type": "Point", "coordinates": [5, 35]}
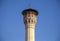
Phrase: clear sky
{"type": "Point", "coordinates": [12, 27]}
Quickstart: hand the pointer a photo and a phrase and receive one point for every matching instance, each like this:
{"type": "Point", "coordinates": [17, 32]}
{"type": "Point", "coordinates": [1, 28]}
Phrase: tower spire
{"type": "Point", "coordinates": [30, 6]}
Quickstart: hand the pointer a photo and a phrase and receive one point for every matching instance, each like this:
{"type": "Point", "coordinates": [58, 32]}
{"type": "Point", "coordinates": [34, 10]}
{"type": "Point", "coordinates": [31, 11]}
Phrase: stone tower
{"type": "Point", "coordinates": [29, 16]}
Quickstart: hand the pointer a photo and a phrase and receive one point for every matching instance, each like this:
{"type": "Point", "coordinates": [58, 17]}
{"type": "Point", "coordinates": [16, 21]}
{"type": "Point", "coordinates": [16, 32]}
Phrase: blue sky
{"type": "Point", "coordinates": [12, 27]}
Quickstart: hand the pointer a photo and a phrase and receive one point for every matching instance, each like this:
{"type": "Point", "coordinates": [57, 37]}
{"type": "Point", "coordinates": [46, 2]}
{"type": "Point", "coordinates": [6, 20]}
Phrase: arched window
{"type": "Point", "coordinates": [32, 20]}
{"type": "Point", "coordinates": [28, 13]}
{"type": "Point", "coordinates": [28, 20]}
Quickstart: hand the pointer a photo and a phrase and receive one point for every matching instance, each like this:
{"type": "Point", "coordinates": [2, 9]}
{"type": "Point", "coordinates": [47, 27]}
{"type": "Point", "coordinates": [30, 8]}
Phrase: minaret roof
{"type": "Point", "coordinates": [30, 9]}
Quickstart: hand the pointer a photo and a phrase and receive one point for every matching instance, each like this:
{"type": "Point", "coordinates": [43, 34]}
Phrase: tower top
{"type": "Point", "coordinates": [30, 6]}
{"type": "Point", "coordinates": [30, 9]}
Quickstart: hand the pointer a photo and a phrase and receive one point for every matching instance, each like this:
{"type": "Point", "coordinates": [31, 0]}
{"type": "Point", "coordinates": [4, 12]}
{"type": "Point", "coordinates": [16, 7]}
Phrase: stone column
{"type": "Point", "coordinates": [30, 33]}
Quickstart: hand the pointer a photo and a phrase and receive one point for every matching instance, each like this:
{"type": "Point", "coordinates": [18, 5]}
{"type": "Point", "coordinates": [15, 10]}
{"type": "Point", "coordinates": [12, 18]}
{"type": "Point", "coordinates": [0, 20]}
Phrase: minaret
{"type": "Point", "coordinates": [29, 16]}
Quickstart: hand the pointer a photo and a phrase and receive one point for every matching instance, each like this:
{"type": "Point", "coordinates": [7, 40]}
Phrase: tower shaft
{"type": "Point", "coordinates": [30, 34]}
